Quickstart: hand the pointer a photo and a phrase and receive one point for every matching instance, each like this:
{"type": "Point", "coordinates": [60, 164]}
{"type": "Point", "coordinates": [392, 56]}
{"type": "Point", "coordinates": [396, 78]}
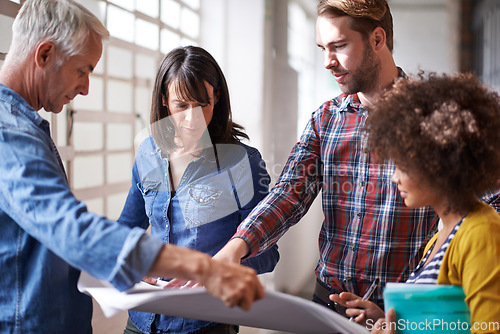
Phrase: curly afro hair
{"type": "Point", "coordinates": [445, 129]}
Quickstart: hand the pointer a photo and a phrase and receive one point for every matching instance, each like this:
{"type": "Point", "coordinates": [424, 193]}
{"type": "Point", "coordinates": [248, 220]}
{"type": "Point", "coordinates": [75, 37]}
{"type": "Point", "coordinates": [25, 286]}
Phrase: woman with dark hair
{"type": "Point", "coordinates": [184, 71]}
{"type": "Point", "coordinates": [193, 181]}
{"type": "Point", "coordinates": [443, 134]}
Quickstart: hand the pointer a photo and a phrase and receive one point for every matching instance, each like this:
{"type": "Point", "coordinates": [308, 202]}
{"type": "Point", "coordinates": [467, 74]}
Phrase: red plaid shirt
{"type": "Point", "coordinates": [368, 232]}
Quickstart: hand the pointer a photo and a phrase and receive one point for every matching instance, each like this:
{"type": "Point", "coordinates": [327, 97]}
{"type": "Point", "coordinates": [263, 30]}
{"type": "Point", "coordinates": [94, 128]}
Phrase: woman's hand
{"type": "Point", "coordinates": [361, 310]}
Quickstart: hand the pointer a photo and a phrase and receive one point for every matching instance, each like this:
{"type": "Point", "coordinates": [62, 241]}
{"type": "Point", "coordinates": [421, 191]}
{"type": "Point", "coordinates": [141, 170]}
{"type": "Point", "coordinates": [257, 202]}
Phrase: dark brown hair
{"type": "Point", "coordinates": [443, 128]}
{"type": "Point", "coordinates": [366, 15]}
{"type": "Point", "coordinates": [188, 68]}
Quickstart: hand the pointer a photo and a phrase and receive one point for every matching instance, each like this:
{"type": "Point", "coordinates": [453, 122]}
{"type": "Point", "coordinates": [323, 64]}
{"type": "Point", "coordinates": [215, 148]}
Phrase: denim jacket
{"type": "Point", "coordinates": [216, 192]}
{"type": "Point", "coordinates": [47, 236]}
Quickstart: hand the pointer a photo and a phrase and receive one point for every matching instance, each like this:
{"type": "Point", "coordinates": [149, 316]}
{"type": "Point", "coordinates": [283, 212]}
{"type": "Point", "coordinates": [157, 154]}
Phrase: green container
{"type": "Point", "coordinates": [427, 308]}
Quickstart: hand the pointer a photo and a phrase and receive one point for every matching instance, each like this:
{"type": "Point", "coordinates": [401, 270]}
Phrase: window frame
{"type": "Point", "coordinates": [62, 125]}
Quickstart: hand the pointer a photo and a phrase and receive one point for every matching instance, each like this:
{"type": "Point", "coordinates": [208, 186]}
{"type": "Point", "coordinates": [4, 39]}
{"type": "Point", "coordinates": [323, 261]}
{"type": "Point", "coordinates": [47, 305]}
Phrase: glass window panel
{"type": "Point", "coordinates": [187, 41]}
{"type": "Point", "coordinates": [146, 34]}
{"type": "Point", "coordinates": [143, 104]}
{"type": "Point", "coordinates": [6, 29]}
{"type": "Point", "coordinates": [115, 205]}
{"type": "Point", "coordinates": [99, 69]}
{"type": "Point", "coordinates": [170, 13]}
{"type": "Point", "coordinates": [120, 62]}
{"type": "Point", "coordinates": [119, 96]}
{"type": "Point", "coordinates": [61, 128]}
{"type": "Point", "coordinates": [300, 33]}
{"type": "Point", "coordinates": [145, 67]}
{"type": "Point", "coordinates": [148, 7]}
{"type": "Point", "coordinates": [310, 35]}
{"type": "Point", "coordinates": [169, 40]}
{"type": "Point", "coordinates": [295, 31]}
{"type": "Point", "coordinates": [119, 137]}
{"type": "Point", "coordinates": [96, 205]}
{"type": "Point", "coordinates": [195, 4]}
{"type": "Point", "coordinates": [119, 167]}
{"type": "Point", "coordinates": [190, 22]}
{"type": "Point", "coordinates": [88, 136]}
{"type": "Point", "coordinates": [88, 171]}
{"type": "Point", "coordinates": [120, 24]}
{"type": "Point", "coordinates": [94, 101]}
{"type": "Point", "coordinates": [96, 7]}
{"type": "Point", "coordinates": [102, 9]}
{"type": "Point", "coordinates": [127, 4]}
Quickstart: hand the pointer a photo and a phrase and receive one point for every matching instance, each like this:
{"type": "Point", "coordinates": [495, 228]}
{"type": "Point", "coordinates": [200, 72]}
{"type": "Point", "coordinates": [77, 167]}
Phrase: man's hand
{"type": "Point", "coordinates": [231, 253]}
{"type": "Point", "coordinates": [149, 280]}
{"type": "Point", "coordinates": [234, 284]}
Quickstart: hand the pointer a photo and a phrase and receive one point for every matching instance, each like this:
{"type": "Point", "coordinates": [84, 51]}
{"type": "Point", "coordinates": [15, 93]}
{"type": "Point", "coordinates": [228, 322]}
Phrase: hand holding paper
{"type": "Point", "coordinates": [234, 284]}
{"type": "Point", "coordinates": [276, 311]}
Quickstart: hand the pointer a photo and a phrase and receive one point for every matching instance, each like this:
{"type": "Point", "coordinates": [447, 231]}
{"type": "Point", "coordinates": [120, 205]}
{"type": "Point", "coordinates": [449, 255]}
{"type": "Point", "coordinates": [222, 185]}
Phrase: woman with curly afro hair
{"type": "Point", "coordinates": [443, 133]}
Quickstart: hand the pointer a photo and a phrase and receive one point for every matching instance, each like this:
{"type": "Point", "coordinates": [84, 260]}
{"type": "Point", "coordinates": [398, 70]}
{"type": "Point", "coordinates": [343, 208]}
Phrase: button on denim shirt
{"type": "Point", "coordinates": [216, 192]}
{"type": "Point", "coordinates": [47, 236]}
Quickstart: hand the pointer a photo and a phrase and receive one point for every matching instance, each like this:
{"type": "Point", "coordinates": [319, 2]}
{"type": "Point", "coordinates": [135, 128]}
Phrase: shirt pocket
{"type": "Point", "coordinates": [149, 190]}
{"type": "Point", "coordinates": [201, 204]}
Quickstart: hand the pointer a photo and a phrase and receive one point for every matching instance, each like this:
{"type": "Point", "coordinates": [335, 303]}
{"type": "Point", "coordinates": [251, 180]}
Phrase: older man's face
{"type": "Point", "coordinates": [62, 83]}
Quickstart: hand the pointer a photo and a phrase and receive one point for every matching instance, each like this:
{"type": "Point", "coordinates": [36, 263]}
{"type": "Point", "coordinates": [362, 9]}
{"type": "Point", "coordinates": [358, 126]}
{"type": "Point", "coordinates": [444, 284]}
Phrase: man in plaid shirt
{"type": "Point", "coordinates": [368, 232]}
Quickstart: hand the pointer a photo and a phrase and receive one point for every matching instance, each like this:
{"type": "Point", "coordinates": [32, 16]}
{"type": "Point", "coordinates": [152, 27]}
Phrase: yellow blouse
{"type": "Point", "coordinates": [473, 261]}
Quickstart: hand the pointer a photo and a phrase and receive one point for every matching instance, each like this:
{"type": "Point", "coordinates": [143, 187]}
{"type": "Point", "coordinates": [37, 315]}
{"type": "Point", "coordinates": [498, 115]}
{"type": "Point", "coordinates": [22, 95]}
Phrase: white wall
{"type": "Point", "coordinates": [426, 35]}
{"type": "Point", "coordinates": [233, 32]}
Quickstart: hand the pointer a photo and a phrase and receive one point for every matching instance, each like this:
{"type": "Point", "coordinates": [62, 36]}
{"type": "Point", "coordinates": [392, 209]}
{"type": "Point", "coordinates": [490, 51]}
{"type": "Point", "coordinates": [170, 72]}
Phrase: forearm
{"type": "Point", "coordinates": [233, 252]}
{"type": "Point", "coordinates": [232, 283]}
{"type": "Point", "coordinates": [238, 247]}
{"type": "Point", "coordinates": [171, 262]}
{"type": "Point", "coordinates": [285, 205]}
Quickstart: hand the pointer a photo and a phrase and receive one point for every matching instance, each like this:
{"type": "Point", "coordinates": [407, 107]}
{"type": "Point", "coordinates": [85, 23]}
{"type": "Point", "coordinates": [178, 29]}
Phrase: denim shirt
{"type": "Point", "coordinates": [47, 235]}
{"type": "Point", "coordinates": [216, 192]}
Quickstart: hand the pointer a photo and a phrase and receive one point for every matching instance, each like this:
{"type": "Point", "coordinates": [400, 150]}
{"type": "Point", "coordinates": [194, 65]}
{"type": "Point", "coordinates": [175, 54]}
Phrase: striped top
{"type": "Point", "coordinates": [428, 274]}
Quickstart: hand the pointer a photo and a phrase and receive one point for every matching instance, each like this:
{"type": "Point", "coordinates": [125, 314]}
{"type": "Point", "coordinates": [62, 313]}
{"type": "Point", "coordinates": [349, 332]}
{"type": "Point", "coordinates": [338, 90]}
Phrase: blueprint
{"type": "Point", "coordinates": [276, 311]}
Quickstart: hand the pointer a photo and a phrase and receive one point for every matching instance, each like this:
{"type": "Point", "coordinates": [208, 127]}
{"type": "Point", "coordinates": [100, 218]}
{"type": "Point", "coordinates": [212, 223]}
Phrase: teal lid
{"type": "Point", "coordinates": [423, 292]}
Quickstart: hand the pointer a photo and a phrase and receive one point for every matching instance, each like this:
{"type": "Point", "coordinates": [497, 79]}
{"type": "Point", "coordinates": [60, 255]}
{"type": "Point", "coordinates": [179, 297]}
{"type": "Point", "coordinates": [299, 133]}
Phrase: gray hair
{"type": "Point", "coordinates": [64, 22]}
